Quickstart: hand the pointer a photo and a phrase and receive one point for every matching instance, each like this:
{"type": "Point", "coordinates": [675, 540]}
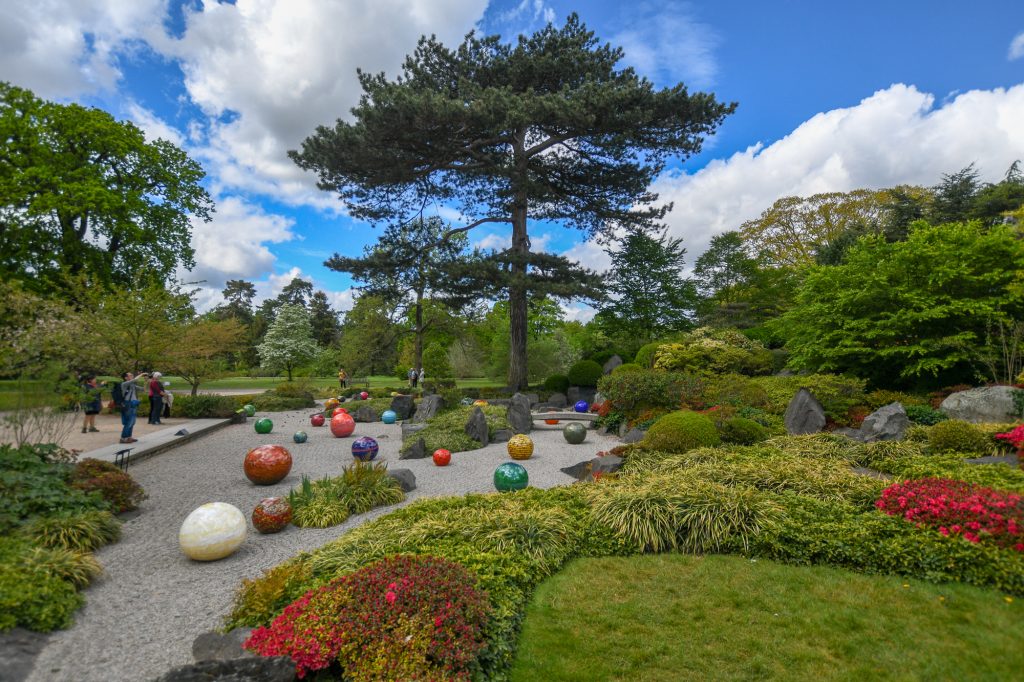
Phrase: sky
{"type": "Point", "coordinates": [831, 97]}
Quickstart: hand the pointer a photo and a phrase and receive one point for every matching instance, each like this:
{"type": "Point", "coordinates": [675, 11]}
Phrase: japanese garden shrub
{"type": "Point", "coordinates": [645, 356]}
{"type": "Point", "coordinates": [714, 351]}
{"type": "Point", "coordinates": [908, 460]}
{"type": "Point", "coordinates": [924, 414]}
{"type": "Point", "coordinates": [740, 431]}
{"type": "Point", "coordinates": [557, 383]}
{"type": "Point", "coordinates": [116, 487]}
{"type": "Point", "coordinates": [585, 373]}
{"type": "Point", "coordinates": [879, 398]}
{"type": "Point", "coordinates": [447, 429]}
{"type": "Point", "coordinates": [681, 431]}
{"type": "Point", "coordinates": [735, 390]}
{"type": "Point", "coordinates": [329, 501]}
{"type": "Point", "coordinates": [32, 594]}
{"type": "Point", "coordinates": [294, 389]}
{"type": "Point", "coordinates": [954, 435]}
{"type": "Point", "coordinates": [274, 402]}
{"type": "Point", "coordinates": [634, 392]}
{"type": "Point", "coordinates": [627, 367]}
{"type": "Point", "coordinates": [205, 406]}
{"type": "Point", "coordinates": [81, 531]}
{"type": "Point", "coordinates": [837, 394]}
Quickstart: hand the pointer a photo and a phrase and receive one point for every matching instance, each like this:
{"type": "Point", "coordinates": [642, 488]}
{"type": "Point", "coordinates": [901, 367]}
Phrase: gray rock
{"type": "Point", "coordinates": [533, 398]}
{"type": "Point", "coordinates": [557, 400]}
{"type": "Point", "coordinates": [476, 427]}
{"type": "Point", "coordinates": [581, 471]}
{"type": "Point", "coordinates": [804, 414]}
{"type": "Point", "coordinates": [403, 406]}
{"type": "Point", "coordinates": [418, 450]}
{"type": "Point", "coordinates": [613, 362]}
{"type": "Point", "coordinates": [18, 651]}
{"type": "Point", "coordinates": [578, 393]}
{"type": "Point", "coordinates": [429, 406]}
{"type": "Point", "coordinates": [634, 436]}
{"type": "Point", "coordinates": [405, 477]}
{"type": "Point", "coordinates": [608, 464]}
{"type": "Point", "coordinates": [853, 434]}
{"type": "Point", "coordinates": [366, 414]}
{"type": "Point", "coordinates": [886, 423]}
{"type": "Point", "coordinates": [988, 404]}
{"type": "Point", "coordinates": [499, 402]}
{"type": "Point", "coordinates": [409, 429]}
{"type": "Point", "coordinates": [251, 669]}
{"type": "Point", "coordinates": [519, 416]}
{"type": "Point", "coordinates": [502, 436]}
{"type": "Point", "coordinates": [1013, 460]}
{"type": "Point", "coordinates": [215, 646]}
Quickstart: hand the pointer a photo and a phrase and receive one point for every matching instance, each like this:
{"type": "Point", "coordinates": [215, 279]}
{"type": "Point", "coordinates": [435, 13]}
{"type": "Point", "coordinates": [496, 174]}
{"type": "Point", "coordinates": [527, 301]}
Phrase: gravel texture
{"type": "Point", "coordinates": [141, 618]}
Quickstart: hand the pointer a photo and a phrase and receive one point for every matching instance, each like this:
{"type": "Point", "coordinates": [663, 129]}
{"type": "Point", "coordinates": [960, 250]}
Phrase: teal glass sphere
{"type": "Point", "coordinates": [250, 410]}
{"type": "Point", "coordinates": [510, 476]}
{"type": "Point", "coordinates": [389, 417]}
{"type": "Point", "coordinates": [264, 425]}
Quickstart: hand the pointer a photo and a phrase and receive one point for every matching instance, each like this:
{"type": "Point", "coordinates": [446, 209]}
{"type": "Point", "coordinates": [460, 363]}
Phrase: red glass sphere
{"type": "Point", "coordinates": [442, 457]}
{"type": "Point", "coordinates": [364, 395]}
{"type": "Point", "coordinates": [317, 420]}
{"type": "Point", "coordinates": [338, 410]}
{"type": "Point", "coordinates": [272, 514]}
{"type": "Point", "coordinates": [342, 425]}
{"type": "Point", "coordinates": [267, 464]}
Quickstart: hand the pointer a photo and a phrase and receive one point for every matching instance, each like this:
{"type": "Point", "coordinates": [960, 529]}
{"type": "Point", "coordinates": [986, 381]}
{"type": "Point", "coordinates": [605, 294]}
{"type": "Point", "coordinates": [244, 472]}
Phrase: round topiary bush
{"type": "Point", "coordinates": [585, 373]}
{"type": "Point", "coordinates": [645, 356]}
{"type": "Point", "coordinates": [956, 435]}
{"type": "Point", "coordinates": [681, 431]}
{"type": "Point", "coordinates": [557, 383]}
{"type": "Point", "coordinates": [627, 367]}
{"type": "Point", "coordinates": [741, 431]}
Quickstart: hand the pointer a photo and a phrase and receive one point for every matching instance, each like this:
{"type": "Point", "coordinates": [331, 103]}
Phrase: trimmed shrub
{"type": "Point", "coordinates": [924, 414]}
{"type": "Point", "coordinates": [294, 389]}
{"type": "Point", "coordinates": [116, 487]}
{"type": "Point", "coordinates": [272, 402]}
{"type": "Point", "coordinates": [557, 383]}
{"type": "Point", "coordinates": [954, 435]}
{"type": "Point", "coordinates": [735, 390]}
{"type": "Point", "coordinates": [837, 394]}
{"type": "Point", "coordinates": [714, 351]}
{"type": "Point", "coordinates": [406, 617]}
{"type": "Point", "coordinates": [645, 356]}
{"type": "Point", "coordinates": [627, 367]}
{"type": "Point", "coordinates": [585, 373]}
{"type": "Point", "coordinates": [206, 406]}
{"type": "Point", "coordinates": [881, 398]}
{"type": "Point", "coordinates": [742, 431]}
{"type": "Point", "coordinates": [448, 429]}
{"type": "Point", "coordinates": [681, 431]}
{"type": "Point", "coordinates": [634, 392]}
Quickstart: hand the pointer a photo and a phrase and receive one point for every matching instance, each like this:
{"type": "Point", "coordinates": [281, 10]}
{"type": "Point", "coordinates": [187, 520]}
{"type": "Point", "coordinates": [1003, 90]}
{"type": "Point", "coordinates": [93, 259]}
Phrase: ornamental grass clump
{"type": "Point", "coordinates": [955, 508]}
{"type": "Point", "coordinates": [403, 618]}
{"type": "Point", "coordinates": [83, 532]}
{"type": "Point", "coordinates": [329, 501]}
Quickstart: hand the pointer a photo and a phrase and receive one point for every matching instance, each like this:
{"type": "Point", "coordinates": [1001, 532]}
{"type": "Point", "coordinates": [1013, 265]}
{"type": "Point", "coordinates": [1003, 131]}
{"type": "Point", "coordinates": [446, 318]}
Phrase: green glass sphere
{"type": "Point", "coordinates": [510, 476]}
{"type": "Point", "coordinates": [250, 410]}
{"type": "Point", "coordinates": [264, 425]}
{"type": "Point", "coordinates": [575, 433]}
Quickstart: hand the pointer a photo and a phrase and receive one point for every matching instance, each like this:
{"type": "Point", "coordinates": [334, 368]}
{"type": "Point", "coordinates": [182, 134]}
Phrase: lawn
{"type": "Point", "coordinates": [680, 617]}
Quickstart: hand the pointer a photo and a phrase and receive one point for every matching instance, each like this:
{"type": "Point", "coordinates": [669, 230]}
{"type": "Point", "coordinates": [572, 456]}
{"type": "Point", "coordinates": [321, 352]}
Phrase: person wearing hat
{"type": "Point", "coordinates": [156, 398]}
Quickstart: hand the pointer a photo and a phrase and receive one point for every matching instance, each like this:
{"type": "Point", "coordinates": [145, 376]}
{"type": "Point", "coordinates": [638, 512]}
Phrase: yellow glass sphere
{"type": "Point", "coordinates": [520, 446]}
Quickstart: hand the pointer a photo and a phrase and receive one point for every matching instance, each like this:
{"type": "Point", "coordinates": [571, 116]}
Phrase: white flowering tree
{"type": "Point", "coordinates": [289, 340]}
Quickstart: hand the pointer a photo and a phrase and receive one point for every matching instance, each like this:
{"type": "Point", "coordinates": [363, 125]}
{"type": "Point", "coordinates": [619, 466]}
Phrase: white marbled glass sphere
{"type": "Point", "coordinates": [212, 531]}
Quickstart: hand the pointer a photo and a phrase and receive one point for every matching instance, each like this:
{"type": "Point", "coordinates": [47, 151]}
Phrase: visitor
{"type": "Point", "coordinates": [343, 378]}
{"type": "Point", "coordinates": [129, 404]}
{"type": "Point", "coordinates": [92, 403]}
{"type": "Point", "coordinates": [156, 398]}
{"type": "Point", "coordinates": [412, 377]}
{"type": "Point", "coordinates": [420, 376]}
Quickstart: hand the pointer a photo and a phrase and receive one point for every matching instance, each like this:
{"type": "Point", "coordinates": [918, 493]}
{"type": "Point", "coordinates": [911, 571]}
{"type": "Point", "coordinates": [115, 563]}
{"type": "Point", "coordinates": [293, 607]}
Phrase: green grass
{"type": "Point", "coordinates": [678, 617]}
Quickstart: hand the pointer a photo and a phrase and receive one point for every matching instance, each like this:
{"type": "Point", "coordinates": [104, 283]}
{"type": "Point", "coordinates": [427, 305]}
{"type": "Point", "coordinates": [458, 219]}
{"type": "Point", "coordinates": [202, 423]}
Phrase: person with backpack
{"type": "Point", "coordinates": [92, 403]}
{"type": "Point", "coordinates": [156, 398]}
{"type": "Point", "coordinates": [126, 398]}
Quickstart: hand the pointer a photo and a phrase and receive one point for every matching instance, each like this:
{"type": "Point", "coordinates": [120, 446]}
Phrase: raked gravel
{"type": "Point", "coordinates": [141, 617]}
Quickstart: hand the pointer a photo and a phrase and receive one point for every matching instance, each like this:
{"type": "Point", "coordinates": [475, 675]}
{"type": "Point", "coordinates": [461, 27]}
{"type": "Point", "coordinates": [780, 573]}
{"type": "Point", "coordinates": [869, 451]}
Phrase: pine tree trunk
{"type": "Point", "coordinates": [517, 293]}
{"type": "Point", "coordinates": [419, 331]}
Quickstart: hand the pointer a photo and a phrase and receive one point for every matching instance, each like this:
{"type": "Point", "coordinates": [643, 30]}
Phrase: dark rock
{"type": "Point", "coordinates": [366, 414]}
{"type": "Point", "coordinates": [557, 400]}
{"type": "Point", "coordinates": [519, 416]}
{"type": "Point", "coordinates": [613, 362]}
{"type": "Point", "coordinates": [418, 450]}
{"type": "Point", "coordinates": [634, 436]}
{"type": "Point", "coordinates": [886, 423]}
{"type": "Point", "coordinates": [405, 477]}
{"type": "Point", "coordinates": [532, 397]}
{"type": "Point", "coordinates": [18, 651]}
{"type": "Point", "coordinates": [988, 404]}
{"type": "Point", "coordinates": [581, 471]}
{"type": "Point", "coordinates": [250, 669]}
{"type": "Point", "coordinates": [853, 434]}
{"type": "Point", "coordinates": [239, 417]}
{"type": "Point", "coordinates": [476, 427]}
{"type": "Point", "coordinates": [429, 406]}
{"type": "Point", "coordinates": [804, 414]}
{"type": "Point", "coordinates": [403, 406]}
{"type": "Point", "coordinates": [499, 402]}
{"type": "Point", "coordinates": [502, 436]}
{"type": "Point", "coordinates": [1012, 459]}
{"type": "Point", "coordinates": [215, 646]}
{"type": "Point", "coordinates": [608, 464]}
{"type": "Point", "coordinates": [409, 429]}
{"type": "Point", "coordinates": [578, 393]}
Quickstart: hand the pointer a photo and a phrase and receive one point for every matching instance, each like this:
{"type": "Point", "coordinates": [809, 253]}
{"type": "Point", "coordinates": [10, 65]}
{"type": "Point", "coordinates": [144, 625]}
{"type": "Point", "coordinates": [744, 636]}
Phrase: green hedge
{"type": "Point", "coordinates": [206, 406]}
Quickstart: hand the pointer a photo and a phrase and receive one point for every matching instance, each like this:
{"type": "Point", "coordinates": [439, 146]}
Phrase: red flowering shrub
{"type": "Point", "coordinates": [958, 508]}
{"type": "Point", "coordinates": [405, 617]}
{"type": "Point", "coordinates": [1014, 437]}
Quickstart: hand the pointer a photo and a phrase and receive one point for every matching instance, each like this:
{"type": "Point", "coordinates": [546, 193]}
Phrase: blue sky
{"type": "Point", "coordinates": [832, 97]}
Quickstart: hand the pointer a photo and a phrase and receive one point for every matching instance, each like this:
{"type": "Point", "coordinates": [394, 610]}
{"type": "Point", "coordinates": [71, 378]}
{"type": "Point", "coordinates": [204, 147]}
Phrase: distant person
{"type": "Point", "coordinates": [343, 378]}
{"type": "Point", "coordinates": [419, 376]}
{"type": "Point", "coordinates": [126, 398]}
{"type": "Point", "coordinates": [413, 376]}
{"type": "Point", "coordinates": [156, 398]}
{"type": "Point", "coordinates": [92, 403]}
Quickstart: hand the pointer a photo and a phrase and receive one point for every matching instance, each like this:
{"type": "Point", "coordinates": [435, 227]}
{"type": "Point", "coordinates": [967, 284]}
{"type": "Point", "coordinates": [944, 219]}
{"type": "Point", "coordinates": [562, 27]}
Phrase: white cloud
{"type": "Point", "coordinates": [342, 301]}
{"type": "Point", "coordinates": [152, 125]}
{"type": "Point", "coordinates": [1016, 50]}
{"type": "Point", "coordinates": [524, 18]}
{"type": "Point", "coordinates": [62, 49]}
{"type": "Point", "coordinates": [893, 137]}
{"type": "Point", "coordinates": [577, 312]}
{"type": "Point", "coordinates": [664, 42]}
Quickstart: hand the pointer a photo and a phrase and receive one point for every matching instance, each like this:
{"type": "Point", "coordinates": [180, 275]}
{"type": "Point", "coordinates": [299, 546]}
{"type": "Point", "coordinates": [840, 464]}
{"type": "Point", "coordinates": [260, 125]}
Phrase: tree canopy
{"type": "Point", "coordinates": [288, 343]}
{"type": "Point", "coordinates": [545, 129]}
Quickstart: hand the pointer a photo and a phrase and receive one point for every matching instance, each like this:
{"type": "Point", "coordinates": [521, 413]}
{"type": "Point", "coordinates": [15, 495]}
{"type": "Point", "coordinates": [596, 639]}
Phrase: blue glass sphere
{"type": "Point", "coordinates": [364, 449]}
{"type": "Point", "coordinates": [389, 417]}
{"type": "Point", "coordinates": [582, 406]}
{"type": "Point", "coordinates": [299, 437]}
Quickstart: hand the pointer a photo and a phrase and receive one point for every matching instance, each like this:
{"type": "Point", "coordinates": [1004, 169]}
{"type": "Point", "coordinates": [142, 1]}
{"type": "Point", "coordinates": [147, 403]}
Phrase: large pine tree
{"type": "Point", "coordinates": [546, 129]}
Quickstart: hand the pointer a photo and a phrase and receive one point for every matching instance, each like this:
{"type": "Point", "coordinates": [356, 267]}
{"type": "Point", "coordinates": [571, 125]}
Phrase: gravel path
{"type": "Point", "coordinates": [140, 619]}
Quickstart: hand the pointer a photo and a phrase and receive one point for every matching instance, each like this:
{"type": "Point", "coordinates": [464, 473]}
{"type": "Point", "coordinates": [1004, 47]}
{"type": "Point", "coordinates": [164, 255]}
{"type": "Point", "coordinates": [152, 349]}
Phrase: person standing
{"type": "Point", "coordinates": [92, 403]}
{"type": "Point", "coordinates": [412, 377]}
{"type": "Point", "coordinates": [156, 398]}
{"type": "Point", "coordinates": [342, 378]}
{"type": "Point", "coordinates": [129, 405]}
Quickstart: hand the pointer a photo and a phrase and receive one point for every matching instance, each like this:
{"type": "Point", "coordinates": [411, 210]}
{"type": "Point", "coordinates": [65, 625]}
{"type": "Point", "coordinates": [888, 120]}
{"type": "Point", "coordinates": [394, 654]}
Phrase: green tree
{"type": "Point", "coordinates": [81, 192]}
{"type": "Point", "coordinates": [954, 196]}
{"type": "Point", "coordinates": [369, 337]}
{"type": "Point", "coordinates": [725, 265]}
{"type": "Point", "coordinates": [435, 361]}
{"type": "Point", "coordinates": [201, 347]}
{"type": "Point", "coordinates": [238, 296]}
{"type": "Point", "coordinates": [905, 312]}
{"type": "Point", "coordinates": [324, 319]}
{"type": "Point", "coordinates": [650, 296]}
{"type": "Point", "coordinates": [993, 203]}
{"type": "Point", "coordinates": [288, 342]}
{"type": "Point", "coordinates": [546, 129]}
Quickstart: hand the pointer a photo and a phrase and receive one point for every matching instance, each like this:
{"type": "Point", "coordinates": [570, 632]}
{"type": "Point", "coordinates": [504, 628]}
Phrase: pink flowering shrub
{"type": "Point", "coordinates": [405, 617]}
{"type": "Point", "coordinates": [1014, 437]}
{"type": "Point", "coordinates": [977, 513]}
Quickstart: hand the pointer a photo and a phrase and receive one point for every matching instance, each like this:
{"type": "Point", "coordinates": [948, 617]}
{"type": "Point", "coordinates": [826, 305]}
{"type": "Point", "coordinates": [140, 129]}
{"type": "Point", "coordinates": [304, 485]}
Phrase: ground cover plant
{"type": "Point", "coordinates": [447, 429]}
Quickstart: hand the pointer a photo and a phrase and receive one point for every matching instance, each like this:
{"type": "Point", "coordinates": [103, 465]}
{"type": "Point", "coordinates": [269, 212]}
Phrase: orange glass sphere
{"type": "Point", "coordinates": [267, 464]}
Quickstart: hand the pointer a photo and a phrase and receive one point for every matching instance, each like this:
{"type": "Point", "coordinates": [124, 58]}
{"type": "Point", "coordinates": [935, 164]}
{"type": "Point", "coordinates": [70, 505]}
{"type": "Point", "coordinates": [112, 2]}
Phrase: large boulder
{"type": "Point", "coordinates": [409, 429]}
{"type": "Point", "coordinates": [988, 404]}
{"type": "Point", "coordinates": [598, 466]}
{"type": "Point", "coordinates": [403, 406]}
{"type": "Point", "coordinates": [405, 477]}
{"type": "Point", "coordinates": [429, 406]}
{"type": "Point", "coordinates": [248, 669]}
{"type": "Point", "coordinates": [502, 436]}
{"type": "Point", "coordinates": [216, 646]}
{"type": "Point", "coordinates": [557, 400]}
{"type": "Point", "coordinates": [886, 423]}
{"type": "Point", "coordinates": [417, 450]}
{"type": "Point", "coordinates": [366, 414]}
{"type": "Point", "coordinates": [613, 362]}
{"type": "Point", "coordinates": [519, 416]}
{"type": "Point", "coordinates": [805, 414]}
{"type": "Point", "coordinates": [476, 427]}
